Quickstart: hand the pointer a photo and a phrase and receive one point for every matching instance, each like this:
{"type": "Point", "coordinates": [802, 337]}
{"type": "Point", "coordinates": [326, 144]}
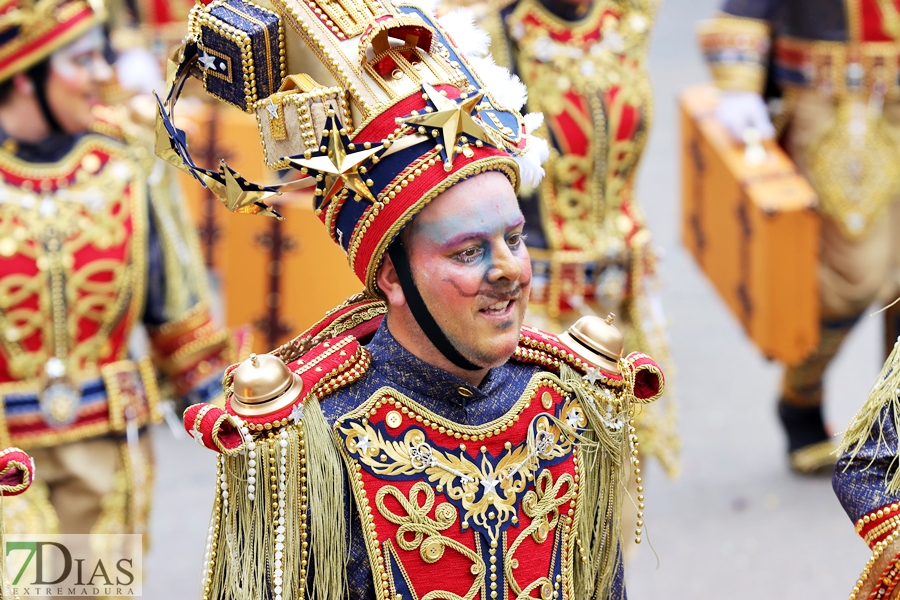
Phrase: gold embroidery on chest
{"type": "Point", "coordinates": [485, 493]}
{"type": "Point", "coordinates": [80, 275]}
{"type": "Point", "coordinates": [588, 79]}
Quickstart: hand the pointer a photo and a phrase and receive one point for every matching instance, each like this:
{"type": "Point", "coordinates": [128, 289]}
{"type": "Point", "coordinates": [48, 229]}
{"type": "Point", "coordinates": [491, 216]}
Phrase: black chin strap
{"type": "Point", "coordinates": [421, 313]}
{"type": "Point", "coordinates": [38, 75]}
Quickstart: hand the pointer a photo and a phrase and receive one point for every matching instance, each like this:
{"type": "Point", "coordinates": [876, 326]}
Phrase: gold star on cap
{"type": "Point", "coordinates": [452, 118]}
{"type": "Point", "coordinates": [237, 196]}
{"type": "Point", "coordinates": [341, 169]}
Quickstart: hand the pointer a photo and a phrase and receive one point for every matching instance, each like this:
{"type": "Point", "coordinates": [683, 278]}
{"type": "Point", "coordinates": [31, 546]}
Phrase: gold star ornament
{"type": "Point", "coordinates": [239, 195]}
{"type": "Point", "coordinates": [340, 169]}
{"type": "Point", "coordinates": [450, 119]}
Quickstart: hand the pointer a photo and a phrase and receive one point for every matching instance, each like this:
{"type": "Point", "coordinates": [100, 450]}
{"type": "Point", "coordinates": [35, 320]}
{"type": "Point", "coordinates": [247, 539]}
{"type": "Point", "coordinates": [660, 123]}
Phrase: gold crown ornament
{"type": "Point", "coordinates": [379, 105]}
{"type": "Point", "coordinates": [596, 341]}
{"type": "Point", "coordinates": [262, 385]}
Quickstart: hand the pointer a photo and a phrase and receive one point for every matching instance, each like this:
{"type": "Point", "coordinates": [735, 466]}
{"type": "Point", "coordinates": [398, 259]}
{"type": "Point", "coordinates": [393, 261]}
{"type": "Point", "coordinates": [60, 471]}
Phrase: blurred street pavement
{"type": "Point", "coordinates": [737, 524]}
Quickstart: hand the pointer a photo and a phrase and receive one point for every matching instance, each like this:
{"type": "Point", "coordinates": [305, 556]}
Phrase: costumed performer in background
{"type": "Point", "coordinates": [584, 64]}
{"type": "Point", "coordinates": [835, 65]}
{"type": "Point", "coordinates": [93, 243]}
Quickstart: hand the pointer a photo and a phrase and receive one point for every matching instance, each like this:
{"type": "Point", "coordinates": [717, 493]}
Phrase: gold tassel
{"type": "Point", "coordinates": [885, 393]}
{"type": "Point", "coordinates": [328, 526]}
{"type": "Point", "coordinates": [263, 538]}
{"type": "Point", "coordinates": [603, 446]}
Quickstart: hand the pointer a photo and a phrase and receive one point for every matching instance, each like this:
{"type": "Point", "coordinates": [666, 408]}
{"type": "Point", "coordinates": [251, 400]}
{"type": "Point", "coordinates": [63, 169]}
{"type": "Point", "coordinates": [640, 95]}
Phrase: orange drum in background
{"type": "Point", "coordinates": [279, 276]}
{"type": "Point", "coordinates": [750, 223]}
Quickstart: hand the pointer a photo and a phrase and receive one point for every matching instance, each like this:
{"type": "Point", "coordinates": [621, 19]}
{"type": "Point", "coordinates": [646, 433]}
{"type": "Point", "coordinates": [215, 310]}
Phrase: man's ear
{"type": "Point", "coordinates": [23, 84]}
{"type": "Point", "coordinates": [389, 283]}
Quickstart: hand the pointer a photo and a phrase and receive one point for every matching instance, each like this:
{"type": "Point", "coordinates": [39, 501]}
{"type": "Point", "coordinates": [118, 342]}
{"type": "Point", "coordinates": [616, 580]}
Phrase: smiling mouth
{"type": "Point", "coordinates": [499, 309]}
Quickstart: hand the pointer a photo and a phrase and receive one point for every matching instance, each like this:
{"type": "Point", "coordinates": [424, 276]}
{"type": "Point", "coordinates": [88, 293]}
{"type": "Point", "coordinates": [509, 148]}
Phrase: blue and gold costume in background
{"type": "Point", "coordinates": [833, 65]}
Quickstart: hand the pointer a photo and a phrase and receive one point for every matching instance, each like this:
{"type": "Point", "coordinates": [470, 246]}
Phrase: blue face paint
{"type": "Point", "coordinates": [471, 239]}
{"type": "Point", "coordinates": [471, 266]}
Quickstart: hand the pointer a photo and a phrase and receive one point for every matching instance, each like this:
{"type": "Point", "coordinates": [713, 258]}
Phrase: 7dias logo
{"type": "Point", "coordinates": [44, 566]}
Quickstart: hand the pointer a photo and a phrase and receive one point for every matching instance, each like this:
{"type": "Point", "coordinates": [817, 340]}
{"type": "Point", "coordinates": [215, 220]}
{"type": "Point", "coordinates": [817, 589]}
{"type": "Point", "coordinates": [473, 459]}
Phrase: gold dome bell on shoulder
{"type": "Point", "coordinates": [596, 341]}
{"type": "Point", "coordinates": [263, 384]}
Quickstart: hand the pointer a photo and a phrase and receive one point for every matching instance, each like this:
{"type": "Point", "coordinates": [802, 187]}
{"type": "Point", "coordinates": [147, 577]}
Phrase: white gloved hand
{"type": "Point", "coordinates": [738, 111]}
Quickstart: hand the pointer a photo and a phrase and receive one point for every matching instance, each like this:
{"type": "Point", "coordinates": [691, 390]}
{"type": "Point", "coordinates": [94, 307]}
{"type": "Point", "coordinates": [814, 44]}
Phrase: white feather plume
{"type": "Point", "coordinates": [533, 121]}
{"type": "Point", "coordinates": [471, 41]}
{"type": "Point", "coordinates": [530, 170]}
{"type": "Point", "coordinates": [507, 89]}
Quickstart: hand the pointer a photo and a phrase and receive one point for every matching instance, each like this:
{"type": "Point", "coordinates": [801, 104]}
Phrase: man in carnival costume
{"type": "Point", "coordinates": [867, 482]}
{"type": "Point", "coordinates": [834, 64]}
{"type": "Point", "coordinates": [92, 244]}
{"type": "Point", "coordinates": [418, 441]}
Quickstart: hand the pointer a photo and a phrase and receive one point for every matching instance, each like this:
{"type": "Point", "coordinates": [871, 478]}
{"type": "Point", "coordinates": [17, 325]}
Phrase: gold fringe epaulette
{"type": "Point", "coordinates": [274, 433]}
{"type": "Point", "coordinates": [545, 349]}
{"type": "Point", "coordinates": [867, 422]}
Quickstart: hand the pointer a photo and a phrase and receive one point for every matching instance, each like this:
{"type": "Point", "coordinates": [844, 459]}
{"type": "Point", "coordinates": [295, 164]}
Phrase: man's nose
{"type": "Point", "coordinates": [505, 265]}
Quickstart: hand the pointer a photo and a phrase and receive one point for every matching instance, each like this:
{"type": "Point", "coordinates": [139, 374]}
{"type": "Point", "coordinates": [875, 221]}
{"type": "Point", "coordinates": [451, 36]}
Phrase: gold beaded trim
{"type": "Point", "coordinates": [863, 581]}
{"type": "Point", "coordinates": [341, 376]}
{"type": "Point", "coordinates": [443, 425]}
{"type": "Point", "coordinates": [353, 318]}
{"type": "Point", "coordinates": [548, 355]}
{"type": "Point", "coordinates": [879, 514]}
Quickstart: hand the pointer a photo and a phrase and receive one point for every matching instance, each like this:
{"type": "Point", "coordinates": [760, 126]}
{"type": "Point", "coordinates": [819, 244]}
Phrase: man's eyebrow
{"type": "Point", "coordinates": [517, 223]}
{"type": "Point", "coordinates": [479, 235]}
{"type": "Point", "coordinates": [465, 237]}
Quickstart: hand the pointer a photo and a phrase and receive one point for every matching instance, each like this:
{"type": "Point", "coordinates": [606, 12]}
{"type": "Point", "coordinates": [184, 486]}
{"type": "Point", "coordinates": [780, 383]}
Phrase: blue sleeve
{"type": "Point", "coordinates": [617, 592]}
{"type": "Point", "coordinates": [860, 483]}
{"type": "Point", "coordinates": [752, 9]}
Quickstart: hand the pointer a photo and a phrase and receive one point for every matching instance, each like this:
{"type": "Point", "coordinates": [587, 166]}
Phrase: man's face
{"type": "Point", "coordinates": [469, 261]}
{"type": "Point", "coordinates": [77, 72]}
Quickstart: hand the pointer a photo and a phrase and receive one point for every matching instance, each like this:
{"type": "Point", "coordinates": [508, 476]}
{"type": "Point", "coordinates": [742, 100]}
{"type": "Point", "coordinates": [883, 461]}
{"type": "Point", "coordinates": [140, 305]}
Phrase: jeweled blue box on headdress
{"type": "Point", "coordinates": [241, 48]}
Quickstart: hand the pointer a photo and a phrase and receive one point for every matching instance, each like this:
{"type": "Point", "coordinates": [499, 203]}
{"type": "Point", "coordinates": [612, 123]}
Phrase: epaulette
{"type": "Point", "coordinates": [326, 357]}
{"type": "Point", "coordinates": [359, 316]}
{"type": "Point", "coordinates": [541, 348]}
{"type": "Point", "coordinates": [324, 369]}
